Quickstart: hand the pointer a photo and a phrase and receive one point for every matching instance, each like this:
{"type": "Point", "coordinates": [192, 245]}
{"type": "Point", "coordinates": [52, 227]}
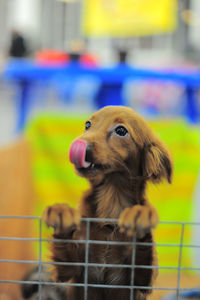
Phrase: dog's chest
{"type": "Point", "coordinates": [106, 254]}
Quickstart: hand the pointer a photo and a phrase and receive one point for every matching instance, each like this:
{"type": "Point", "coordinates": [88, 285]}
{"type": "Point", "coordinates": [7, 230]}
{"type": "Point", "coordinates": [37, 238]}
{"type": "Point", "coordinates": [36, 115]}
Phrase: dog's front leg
{"type": "Point", "coordinates": [138, 219]}
{"type": "Point", "coordinates": [65, 222]}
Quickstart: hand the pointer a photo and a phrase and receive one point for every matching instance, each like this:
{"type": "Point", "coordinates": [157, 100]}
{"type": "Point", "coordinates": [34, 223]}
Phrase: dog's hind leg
{"type": "Point", "coordinates": [48, 292]}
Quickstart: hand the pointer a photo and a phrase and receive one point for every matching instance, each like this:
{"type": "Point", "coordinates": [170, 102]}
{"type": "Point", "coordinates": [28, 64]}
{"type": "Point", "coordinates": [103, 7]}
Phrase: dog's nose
{"type": "Point", "coordinates": [79, 154]}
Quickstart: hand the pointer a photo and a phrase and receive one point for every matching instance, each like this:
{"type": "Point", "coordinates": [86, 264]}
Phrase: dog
{"type": "Point", "coordinates": [118, 153]}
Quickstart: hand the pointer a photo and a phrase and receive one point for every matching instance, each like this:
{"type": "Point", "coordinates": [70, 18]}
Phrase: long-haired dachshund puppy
{"type": "Point", "coordinates": [118, 153]}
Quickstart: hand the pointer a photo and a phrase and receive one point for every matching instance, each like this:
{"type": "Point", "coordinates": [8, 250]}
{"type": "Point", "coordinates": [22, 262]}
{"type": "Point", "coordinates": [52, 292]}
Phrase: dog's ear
{"type": "Point", "coordinates": [156, 162]}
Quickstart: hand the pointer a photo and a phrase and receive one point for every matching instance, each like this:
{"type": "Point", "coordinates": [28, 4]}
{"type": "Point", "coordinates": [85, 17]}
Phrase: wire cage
{"type": "Point", "coordinates": [39, 263]}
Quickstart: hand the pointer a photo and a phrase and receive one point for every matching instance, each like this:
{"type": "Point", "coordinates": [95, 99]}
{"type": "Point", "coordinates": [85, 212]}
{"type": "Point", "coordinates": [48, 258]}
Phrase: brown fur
{"type": "Point", "coordinates": [117, 191]}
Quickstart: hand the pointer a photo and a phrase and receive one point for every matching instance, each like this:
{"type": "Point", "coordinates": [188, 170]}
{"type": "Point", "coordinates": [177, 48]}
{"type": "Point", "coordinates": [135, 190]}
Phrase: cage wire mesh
{"type": "Point", "coordinates": [86, 264]}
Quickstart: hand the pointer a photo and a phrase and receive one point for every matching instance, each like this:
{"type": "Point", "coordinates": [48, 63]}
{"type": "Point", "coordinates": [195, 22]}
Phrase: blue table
{"type": "Point", "coordinates": [25, 73]}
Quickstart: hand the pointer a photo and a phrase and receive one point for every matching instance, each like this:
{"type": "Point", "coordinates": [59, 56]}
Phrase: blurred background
{"type": "Point", "coordinates": [62, 60]}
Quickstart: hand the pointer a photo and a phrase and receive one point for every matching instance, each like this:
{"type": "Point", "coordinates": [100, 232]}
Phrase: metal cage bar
{"type": "Point", "coordinates": [133, 268]}
{"type": "Point", "coordinates": [179, 262]}
{"type": "Point", "coordinates": [86, 259]}
{"type": "Point", "coordinates": [40, 259]}
{"type": "Point", "coordinates": [86, 264]}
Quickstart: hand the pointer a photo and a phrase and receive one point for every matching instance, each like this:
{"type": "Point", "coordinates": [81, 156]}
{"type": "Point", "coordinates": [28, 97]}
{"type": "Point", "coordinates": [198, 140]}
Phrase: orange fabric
{"type": "Point", "coordinates": [16, 198]}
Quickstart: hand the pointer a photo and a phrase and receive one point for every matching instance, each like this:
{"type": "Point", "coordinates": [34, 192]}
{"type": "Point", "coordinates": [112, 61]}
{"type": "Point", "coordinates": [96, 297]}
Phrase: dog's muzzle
{"type": "Point", "coordinates": [77, 154]}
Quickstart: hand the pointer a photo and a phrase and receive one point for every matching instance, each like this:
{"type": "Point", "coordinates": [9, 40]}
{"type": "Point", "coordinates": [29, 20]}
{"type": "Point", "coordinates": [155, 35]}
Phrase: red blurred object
{"type": "Point", "coordinates": [89, 60]}
{"type": "Point", "coordinates": [55, 57]}
{"type": "Point", "coordinates": [51, 57]}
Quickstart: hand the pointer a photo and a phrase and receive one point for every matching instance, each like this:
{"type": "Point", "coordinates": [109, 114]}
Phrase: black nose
{"type": "Point", "coordinates": [89, 155]}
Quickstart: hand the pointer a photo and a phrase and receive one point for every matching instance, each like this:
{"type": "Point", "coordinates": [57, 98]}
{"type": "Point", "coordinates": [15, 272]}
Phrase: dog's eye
{"type": "Point", "coordinates": [88, 125]}
{"type": "Point", "coordinates": [121, 130]}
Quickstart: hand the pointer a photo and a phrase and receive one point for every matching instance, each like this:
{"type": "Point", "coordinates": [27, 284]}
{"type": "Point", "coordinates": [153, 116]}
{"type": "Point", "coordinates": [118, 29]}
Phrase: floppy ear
{"type": "Point", "coordinates": [157, 162]}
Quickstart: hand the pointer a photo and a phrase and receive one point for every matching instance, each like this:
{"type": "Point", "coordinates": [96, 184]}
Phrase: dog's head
{"type": "Point", "coordinates": [117, 140]}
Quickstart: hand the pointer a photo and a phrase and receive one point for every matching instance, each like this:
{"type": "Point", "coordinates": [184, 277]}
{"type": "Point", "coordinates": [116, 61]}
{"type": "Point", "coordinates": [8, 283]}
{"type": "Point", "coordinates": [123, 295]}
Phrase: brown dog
{"type": "Point", "coordinates": [118, 153]}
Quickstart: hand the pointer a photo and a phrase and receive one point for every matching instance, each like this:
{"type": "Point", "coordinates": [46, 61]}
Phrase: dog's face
{"type": "Point", "coordinates": [117, 140]}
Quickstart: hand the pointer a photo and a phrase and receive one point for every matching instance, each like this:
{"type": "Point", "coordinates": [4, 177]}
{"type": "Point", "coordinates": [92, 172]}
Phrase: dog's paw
{"type": "Point", "coordinates": [138, 220]}
{"type": "Point", "coordinates": [61, 217]}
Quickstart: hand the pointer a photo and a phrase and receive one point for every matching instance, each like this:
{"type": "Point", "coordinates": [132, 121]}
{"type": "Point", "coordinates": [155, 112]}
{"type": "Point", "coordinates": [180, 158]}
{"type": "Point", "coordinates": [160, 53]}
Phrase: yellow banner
{"type": "Point", "coordinates": [125, 18]}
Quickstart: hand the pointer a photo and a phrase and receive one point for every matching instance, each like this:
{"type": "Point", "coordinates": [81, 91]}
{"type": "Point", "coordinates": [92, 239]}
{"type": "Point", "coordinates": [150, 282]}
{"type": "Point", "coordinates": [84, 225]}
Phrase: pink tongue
{"type": "Point", "coordinates": [77, 154]}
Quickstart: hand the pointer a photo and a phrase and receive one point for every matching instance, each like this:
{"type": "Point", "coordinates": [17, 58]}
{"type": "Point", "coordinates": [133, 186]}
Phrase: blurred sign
{"type": "Point", "coordinates": [124, 18]}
